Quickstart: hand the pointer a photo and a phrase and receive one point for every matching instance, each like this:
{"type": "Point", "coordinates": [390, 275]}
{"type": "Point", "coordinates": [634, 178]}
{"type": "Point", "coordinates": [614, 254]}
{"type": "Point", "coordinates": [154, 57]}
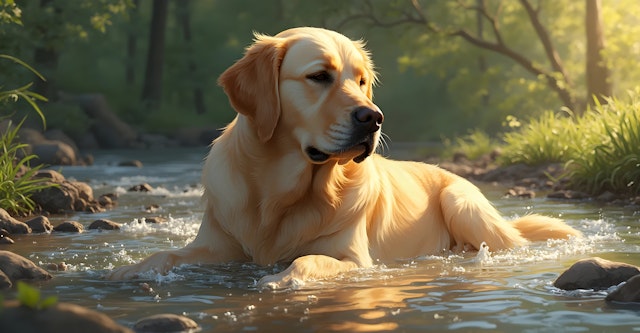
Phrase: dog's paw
{"type": "Point", "coordinates": [276, 282]}
{"type": "Point", "coordinates": [123, 273]}
{"type": "Point", "coordinates": [158, 263]}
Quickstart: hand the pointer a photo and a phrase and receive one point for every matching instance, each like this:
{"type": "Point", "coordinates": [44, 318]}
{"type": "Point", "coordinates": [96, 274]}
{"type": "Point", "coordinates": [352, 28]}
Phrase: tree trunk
{"type": "Point", "coordinates": [184, 18]}
{"type": "Point", "coordinates": [46, 59]}
{"type": "Point", "coordinates": [482, 62]}
{"type": "Point", "coordinates": [132, 41]}
{"type": "Point", "coordinates": [598, 77]}
{"type": "Point", "coordinates": [152, 89]}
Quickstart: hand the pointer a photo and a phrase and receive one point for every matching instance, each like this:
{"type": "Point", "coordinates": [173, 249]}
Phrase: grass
{"type": "Point", "coordinates": [473, 145]}
{"type": "Point", "coordinates": [610, 158]}
{"type": "Point", "coordinates": [17, 183]}
{"type": "Point", "coordinates": [601, 148]}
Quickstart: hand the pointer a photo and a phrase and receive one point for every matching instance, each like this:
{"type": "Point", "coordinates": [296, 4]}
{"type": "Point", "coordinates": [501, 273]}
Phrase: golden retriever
{"type": "Point", "coordinates": [294, 178]}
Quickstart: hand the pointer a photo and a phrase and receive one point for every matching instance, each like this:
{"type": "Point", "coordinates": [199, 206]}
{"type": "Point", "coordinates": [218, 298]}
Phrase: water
{"type": "Point", "coordinates": [509, 291]}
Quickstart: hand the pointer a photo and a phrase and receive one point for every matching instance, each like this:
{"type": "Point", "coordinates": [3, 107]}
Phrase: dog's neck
{"type": "Point", "coordinates": [281, 176]}
{"type": "Point", "coordinates": [278, 188]}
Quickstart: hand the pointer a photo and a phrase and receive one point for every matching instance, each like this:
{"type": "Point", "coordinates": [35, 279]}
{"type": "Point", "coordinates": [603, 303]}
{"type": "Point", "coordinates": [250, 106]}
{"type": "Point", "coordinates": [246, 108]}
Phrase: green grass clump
{"type": "Point", "coordinates": [610, 156]}
{"type": "Point", "coordinates": [548, 139]}
{"type": "Point", "coordinates": [473, 145]}
{"type": "Point", "coordinates": [17, 183]}
{"type": "Point", "coordinates": [601, 148]}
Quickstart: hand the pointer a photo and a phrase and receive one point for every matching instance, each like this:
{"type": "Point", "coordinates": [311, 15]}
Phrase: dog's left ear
{"type": "Point", "coordinates": [252, 84]}
{"type": "Point", "coordinates": [370, 68]}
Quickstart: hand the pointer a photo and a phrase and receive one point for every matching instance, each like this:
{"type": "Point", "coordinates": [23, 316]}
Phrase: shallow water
{"type": "Point", "coordinates": [494, 292]}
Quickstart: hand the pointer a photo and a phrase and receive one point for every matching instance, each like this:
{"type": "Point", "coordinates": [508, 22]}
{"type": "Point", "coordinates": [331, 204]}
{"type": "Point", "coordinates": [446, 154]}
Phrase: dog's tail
{"type": "Point", "coordinates": [539, 228]}
{"type": "Point", "coordinates": [471, 220]}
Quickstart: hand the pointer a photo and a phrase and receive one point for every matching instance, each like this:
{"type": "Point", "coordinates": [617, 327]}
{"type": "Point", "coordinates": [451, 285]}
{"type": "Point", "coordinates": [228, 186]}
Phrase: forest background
{"type": "Point", "coordinates": [446, 67]}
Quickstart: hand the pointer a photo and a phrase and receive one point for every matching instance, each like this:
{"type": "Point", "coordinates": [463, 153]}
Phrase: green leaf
{"type": "Point", "coordinates": [27, 295]}
{"type": "Point", "coordinates": [48, 302]}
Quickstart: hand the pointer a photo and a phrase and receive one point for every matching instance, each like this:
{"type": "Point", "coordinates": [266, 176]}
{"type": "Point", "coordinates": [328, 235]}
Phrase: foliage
{"type": "Point", "coordinates": [16, 174]}
{"type": "Point", "coordinates": [546, 139]}
{"type": "Point", "coordinates": [607, 157]}
{"type": "Point", "coordinates": [473, 145]}
{"type": "Point", "coordinates": [9, 12]}
{"type": "Point", "coordinates": [601, 148]}
{"type": "Point", "coordinates": [432, 85]}
{"type": "Point", "coordinates": [30, 297]}
{"type": "Point", "coordinates": [13, 95]}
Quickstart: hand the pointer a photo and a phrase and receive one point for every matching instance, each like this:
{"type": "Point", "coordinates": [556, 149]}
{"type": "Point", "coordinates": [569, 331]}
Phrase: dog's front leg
{"type": "Point", "coordinates": [305, 268]}
{"type": "Point", "coordinates": [162, 262]}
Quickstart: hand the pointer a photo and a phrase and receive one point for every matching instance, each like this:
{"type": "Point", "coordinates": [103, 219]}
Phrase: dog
{"type": "Point", "coordinates": [294, 178]}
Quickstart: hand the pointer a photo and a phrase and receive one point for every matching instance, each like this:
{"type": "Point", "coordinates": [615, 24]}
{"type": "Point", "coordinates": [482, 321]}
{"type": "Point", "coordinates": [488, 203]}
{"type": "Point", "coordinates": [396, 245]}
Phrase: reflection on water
{"type": "Point", "coordinates": [498, 292]}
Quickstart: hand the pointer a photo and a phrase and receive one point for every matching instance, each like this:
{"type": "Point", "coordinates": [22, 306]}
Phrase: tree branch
{"type": "Point", "coordinates": [417, 16]}
{"type": "Point", "coordinates": [552, 55]}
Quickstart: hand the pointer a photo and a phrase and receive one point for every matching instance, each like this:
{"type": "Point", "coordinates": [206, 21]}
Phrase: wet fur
{"type": "Point", "coordinates": [267, 202]}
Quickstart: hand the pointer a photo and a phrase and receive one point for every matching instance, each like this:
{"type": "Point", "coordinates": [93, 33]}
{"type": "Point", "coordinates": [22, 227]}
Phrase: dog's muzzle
{"type": "Point", "coordinates": [365, 122]}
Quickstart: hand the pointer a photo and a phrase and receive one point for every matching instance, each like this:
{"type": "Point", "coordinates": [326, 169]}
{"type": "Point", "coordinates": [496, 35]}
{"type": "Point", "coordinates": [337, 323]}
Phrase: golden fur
{"type": "Point", "coordinates": [293, 177]}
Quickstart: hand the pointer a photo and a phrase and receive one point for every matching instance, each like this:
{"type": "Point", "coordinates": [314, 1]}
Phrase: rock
{"type": "Point", "coordinates": [40, 224]}
{"type": "Point", "coordinates": [52, 175]}
{"type": "Point", "coordinates": [61, 317]}
{"type": "Point", "coordinates": [5, 282]}
{"type": "Point", "coordinates": [66, 196]}
{"type": "Point", "coordinates": [104, 225]}
{"type": "Point", "coordinates": [141, 188]}
{"type": "Point", "coordinates": [30, 136]}
{"type": "Point", "coordinates": [56, 134]}
{"type": "Point", "coordinates": [6, 240]}
{"type": "Point", "coordinates": [155, 219]}
{"type": "Point", "coordinates": [595, 273]}
{"type": "Point", "coordinates": [16, 267]}
{"type": "Point", "coordinates": [568, 194]}
{"type": "Point", "coordinates": [84, 190]}
{"type": "Point", "coordinates": [69, 226]}
{"type": "Point", "coordinates": [132, 163]}
{"type": "Point", "coordinates": [61, 267]}
{"type": "Point", "coordinates": [107, 128]}
{"type": "Point", "coordinates": [606, 197]}
{"type": "Point", "coordinates": [57, 199]}
{"type": "Point", "coordinates": [107, 200]}
{"type": "Point", "coordinates": [152, 208]}
{"type": "Point", "coordinates": [165, 323]}
{"type": "Point", "coordinates": [12, 225]}
{"type": "Point", "coordinates": [628, 292]}
{"type": "Point", "coordinates": [54, 153]}
{"type": "Point", "coordinates": [520, 192]}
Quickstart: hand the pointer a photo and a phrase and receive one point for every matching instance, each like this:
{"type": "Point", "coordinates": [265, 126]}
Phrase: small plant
{"type": "Point", "coordinates": [13, 95]}
{"type": "Point", "coordinates": [31, 297]}
{"type": "Point", "coordinates": [17, 182]}
{"type": "Point", "coordinates": [547, 139]}
{"type": "Point", "coordinates": [610, 156]}
{"type": "Point", "coordinates": [473, 145]}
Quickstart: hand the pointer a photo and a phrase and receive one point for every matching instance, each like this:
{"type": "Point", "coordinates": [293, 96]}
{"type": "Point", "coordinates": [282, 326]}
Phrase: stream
{"type": "Point", "coordinates": [509, 291]}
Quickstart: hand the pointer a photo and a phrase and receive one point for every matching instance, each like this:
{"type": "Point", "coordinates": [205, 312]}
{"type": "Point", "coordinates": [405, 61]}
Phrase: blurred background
{"type": "Point", "coordinates": [446, 67]}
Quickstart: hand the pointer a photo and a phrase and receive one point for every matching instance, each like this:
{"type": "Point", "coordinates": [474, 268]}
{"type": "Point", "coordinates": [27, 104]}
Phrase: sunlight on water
{"type": "Point", "coordinates": [486, 290]}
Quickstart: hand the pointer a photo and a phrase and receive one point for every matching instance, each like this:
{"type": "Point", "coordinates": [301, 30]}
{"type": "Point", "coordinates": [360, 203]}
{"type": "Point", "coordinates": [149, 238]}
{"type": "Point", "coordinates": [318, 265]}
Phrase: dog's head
{"type": "Point", "coordinates": [312, 84]}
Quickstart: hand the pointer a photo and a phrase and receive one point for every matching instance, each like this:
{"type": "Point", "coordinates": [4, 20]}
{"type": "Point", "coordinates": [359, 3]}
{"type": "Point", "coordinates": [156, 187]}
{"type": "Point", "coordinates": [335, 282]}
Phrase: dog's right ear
{"type": "Point", "coordinates": [252, 84]}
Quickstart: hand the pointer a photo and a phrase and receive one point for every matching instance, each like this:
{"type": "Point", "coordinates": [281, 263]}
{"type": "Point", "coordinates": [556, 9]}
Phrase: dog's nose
{"type": "Point", "coordinates": [368, 118]}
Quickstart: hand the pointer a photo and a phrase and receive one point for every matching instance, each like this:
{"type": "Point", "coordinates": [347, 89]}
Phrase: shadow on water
{"type": "Point", "coordinates": [496, 292]}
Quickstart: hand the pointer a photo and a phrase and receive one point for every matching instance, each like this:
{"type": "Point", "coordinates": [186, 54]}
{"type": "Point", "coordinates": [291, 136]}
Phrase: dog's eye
{"type": "Point", "coordinates": [321, 77]}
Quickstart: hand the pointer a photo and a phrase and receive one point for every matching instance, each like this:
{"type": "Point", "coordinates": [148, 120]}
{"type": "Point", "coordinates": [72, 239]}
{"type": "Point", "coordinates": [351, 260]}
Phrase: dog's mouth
{"type": "Point", "coordinates": [318, 156]}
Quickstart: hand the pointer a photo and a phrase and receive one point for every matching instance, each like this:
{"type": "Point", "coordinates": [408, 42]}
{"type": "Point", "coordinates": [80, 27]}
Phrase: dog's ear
{"type": "Point", "coordinates": [370, 68]}
{"type": "Point", "coordinates": [252, 84]}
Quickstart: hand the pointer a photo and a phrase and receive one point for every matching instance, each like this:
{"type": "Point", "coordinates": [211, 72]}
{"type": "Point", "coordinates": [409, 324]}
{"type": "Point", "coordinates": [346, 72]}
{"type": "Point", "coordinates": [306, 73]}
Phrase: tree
{"type": "Point", "coordinates": [461, 13]}
{"type": "Point", "coordinates": [598, 76]}
{"type": "Point", "coordinates": [152, 89]}
{"type": "Point", "coordinates": [184, 17]}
